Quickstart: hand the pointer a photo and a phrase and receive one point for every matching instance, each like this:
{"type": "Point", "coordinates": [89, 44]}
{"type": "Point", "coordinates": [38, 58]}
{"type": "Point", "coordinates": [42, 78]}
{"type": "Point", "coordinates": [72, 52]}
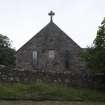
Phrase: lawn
{"type": "Point", "coordinates": [51, 92]}
{"type": "Point", "coordinates": [48, 103]}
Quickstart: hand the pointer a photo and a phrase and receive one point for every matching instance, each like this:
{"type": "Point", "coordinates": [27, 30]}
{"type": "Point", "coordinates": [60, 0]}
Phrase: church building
{"type": "Point", "coordinates": [50, 50]}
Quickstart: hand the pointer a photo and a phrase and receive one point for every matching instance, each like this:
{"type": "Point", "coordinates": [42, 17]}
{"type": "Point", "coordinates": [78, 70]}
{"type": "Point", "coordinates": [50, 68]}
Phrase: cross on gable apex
{"type": "Point", "coordinates": [51, 14]}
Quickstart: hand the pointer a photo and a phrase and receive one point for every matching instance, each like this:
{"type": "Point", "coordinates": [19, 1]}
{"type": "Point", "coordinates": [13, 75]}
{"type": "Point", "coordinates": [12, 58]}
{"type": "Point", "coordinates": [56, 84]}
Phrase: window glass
{"type": "Point", "coordinates": [34, 55]}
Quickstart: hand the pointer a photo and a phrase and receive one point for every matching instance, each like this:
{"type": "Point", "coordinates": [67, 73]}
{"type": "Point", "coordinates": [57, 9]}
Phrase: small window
{"type": "Point", "coordinates": [34, 55]}
{"type": "Point", "coordinates": [67, 59]}
{"type": "Point", "coordinates": [51, 54]}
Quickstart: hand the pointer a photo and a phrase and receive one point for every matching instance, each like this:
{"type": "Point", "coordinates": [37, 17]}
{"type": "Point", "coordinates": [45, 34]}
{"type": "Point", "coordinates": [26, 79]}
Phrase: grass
{"type": "Point", "coordinates": [49, 103]}
{"type": "Point", "coordinates": [44, 91]}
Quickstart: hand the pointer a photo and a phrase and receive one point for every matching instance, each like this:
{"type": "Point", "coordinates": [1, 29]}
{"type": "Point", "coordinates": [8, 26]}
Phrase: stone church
{"type": "Point", "coordinates": [52, 51]}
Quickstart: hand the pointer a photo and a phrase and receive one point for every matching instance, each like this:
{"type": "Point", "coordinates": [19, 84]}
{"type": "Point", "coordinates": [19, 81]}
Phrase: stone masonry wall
{"type": "Point", "coordinates": [12, 75]}
{"type": "Point", "coordinates": [50, 38]}
{"type": "Point", "coordinates": [8, 75]}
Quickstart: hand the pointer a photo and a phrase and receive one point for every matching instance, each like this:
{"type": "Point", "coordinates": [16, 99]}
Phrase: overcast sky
{"type": "Point", "coordinates": [22, 19]}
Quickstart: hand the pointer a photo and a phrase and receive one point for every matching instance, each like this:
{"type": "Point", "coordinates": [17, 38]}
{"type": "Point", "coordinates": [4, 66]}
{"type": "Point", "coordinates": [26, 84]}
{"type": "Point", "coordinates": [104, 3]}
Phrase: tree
{"type": "Point", "coordinates": [7, 54]}
{"type": "Point", "coordinates": [95, 55]}
{"type": "Point", "coordinates": [99, 42]}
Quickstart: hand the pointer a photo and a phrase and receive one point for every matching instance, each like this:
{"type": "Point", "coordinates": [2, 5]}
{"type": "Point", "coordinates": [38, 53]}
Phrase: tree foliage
{"type": "Point", "coordinates": [95, 55]}
{"type": "Point", "coordinates": [99, 42]}
{"type": "Point", "coordinates": [7, 54]}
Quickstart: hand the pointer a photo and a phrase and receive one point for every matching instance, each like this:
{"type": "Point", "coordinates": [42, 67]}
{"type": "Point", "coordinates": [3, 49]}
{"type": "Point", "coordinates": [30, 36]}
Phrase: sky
{"type": "Point", "coordinates": [20, 20]}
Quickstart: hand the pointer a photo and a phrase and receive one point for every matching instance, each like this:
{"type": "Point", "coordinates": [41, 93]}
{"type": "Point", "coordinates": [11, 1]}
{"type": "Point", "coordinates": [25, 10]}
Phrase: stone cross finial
{"type": "Point", "coordinates": [51, 14]}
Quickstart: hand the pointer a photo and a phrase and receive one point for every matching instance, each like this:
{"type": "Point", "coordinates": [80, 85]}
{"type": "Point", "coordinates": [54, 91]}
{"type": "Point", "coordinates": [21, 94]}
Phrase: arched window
{"type": "Point", "coordinates": [34, 57]}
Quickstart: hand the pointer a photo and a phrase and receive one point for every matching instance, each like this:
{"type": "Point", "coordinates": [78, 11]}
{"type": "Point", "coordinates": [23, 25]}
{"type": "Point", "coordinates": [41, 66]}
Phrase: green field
{"type": "Point", "coordinates": [49, 92]}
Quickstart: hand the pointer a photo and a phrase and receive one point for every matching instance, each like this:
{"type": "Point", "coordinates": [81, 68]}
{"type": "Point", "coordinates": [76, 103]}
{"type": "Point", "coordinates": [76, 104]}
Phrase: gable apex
{"type": "Point", "coordinates": [50, 30]}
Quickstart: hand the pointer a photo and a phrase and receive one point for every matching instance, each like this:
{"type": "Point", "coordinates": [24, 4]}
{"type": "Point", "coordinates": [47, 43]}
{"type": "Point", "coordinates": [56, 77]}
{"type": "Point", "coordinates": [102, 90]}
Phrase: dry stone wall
{"type": "Point", "coordinates": [12, 75]}
{"type": "Point", "coordinates": [8, 75]}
